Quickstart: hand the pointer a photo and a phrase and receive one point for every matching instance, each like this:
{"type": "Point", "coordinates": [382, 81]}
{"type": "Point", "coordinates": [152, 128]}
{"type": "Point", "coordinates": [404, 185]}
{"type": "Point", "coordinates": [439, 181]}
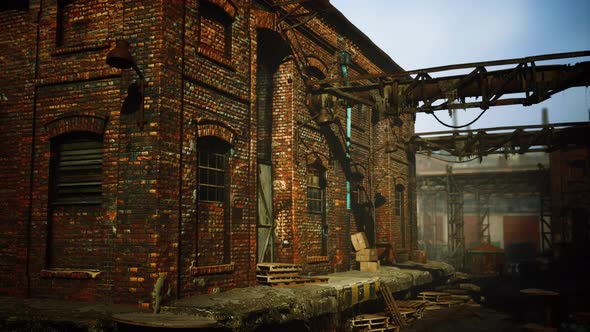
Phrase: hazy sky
{"type": "Point", "coordinates": [426, 33]}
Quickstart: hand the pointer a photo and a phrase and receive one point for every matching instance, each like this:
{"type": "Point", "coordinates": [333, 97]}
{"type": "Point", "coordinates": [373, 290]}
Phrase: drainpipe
{"type": "Point", "coordinates": [344, 60]}
{"type": "Point", "coordinates": [179, 261]}
{"type": "Point", "coordinates": [32, 156]}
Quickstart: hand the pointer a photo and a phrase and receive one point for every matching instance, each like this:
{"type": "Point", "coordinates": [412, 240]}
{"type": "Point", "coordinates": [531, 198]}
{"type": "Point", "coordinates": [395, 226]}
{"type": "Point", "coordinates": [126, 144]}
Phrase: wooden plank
{"type": "Point", "coordinates": [370, 318]}
{"type": "Point", "coordinates": [277, 273]}
{"type": "Point", "coordinates": [392, 306]}
{"type": "Point", "coordinates": [271, 278]}
{"type": "Point", "coordinates": [449, 303]}
{"type": "Point", "coordinates": [434, 296]}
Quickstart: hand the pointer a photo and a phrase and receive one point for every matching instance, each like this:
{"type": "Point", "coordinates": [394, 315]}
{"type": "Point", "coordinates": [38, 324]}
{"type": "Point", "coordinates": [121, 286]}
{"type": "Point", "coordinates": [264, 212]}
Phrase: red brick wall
{"type": "Point", "coordinates": [16, 112]}
{"type": "Point", "coordinates": [147, 222]}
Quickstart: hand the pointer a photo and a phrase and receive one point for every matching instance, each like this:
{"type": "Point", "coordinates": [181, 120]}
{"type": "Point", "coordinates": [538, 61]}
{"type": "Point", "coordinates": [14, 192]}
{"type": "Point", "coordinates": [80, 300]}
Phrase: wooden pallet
{"type": "Point", "coordinates": [418, 305]}
{"type": "Point", "coordinates": [413, 304]}
{"type": "Point", "coordinates": [279, 273]}
{"type": "Point", "coordinates": [391, 307]}
{"type": "Point", "coordinates": [370, 320]}
{"type": "Point", "coordinates": [449, 303]}
{"type": "Point", "coordinates": [278, 267]}
{"type": "Point", "coordinates": [434, 296]}
{"type": "Point", "coordinates": [276, 278]}
{"type": "Point", "coordinates": [372, 323]}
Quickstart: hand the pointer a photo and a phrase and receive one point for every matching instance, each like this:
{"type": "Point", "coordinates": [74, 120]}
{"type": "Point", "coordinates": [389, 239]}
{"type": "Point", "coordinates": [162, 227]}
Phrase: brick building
{"type": "Point", "coordinates": [223, 168]}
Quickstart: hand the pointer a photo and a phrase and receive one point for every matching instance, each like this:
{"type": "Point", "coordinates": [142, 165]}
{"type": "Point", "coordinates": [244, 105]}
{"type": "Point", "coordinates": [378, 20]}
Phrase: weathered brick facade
{"type": "Point", "coordinates": [219, 76]}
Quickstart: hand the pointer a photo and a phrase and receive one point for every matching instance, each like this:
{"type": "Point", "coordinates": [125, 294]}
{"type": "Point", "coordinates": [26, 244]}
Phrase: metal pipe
{"type": "Point", "coordinates": [179, 260]}
{"type": "Point", "coordinates": [552, 125]}
{"type": "Point", "coordinates": [32, 156]}
{"type": "Point", "coordinates": [348, 135]}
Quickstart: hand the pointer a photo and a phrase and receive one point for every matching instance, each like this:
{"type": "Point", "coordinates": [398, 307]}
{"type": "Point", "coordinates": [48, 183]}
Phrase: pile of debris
{"type": "Point", "coordinates": [399, 313]}
{"type": "Point", "coordinates": [284, 275]}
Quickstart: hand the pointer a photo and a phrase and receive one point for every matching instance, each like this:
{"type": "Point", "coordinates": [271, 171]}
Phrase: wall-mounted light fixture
{"type": "Point", "coordinates": [344, 58]}
{"type": "Point", "coordinates": [120, 57]}
{"type": "Point", "coordinates": [323, 117]}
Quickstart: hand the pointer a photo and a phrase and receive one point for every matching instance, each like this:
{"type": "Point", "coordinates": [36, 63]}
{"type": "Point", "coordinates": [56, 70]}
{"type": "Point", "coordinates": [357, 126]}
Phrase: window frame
{"type": "Point", "coordinates": [318, 187]}
{"type": "Point", "coordinates": [219, 150]}
{"type": "Point", "coordinates": [399, 198]}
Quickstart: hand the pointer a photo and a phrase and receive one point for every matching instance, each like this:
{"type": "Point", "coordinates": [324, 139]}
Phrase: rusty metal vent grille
{"type": "Point", "coordinates": [77, 171]}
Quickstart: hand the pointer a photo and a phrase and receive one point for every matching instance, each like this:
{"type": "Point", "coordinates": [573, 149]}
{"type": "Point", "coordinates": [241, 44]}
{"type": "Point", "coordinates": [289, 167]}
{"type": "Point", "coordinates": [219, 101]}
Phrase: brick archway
{"type": "Point", "coordinates": [70, 122]}
{"type": "Point", "coordinates": [216, 129]}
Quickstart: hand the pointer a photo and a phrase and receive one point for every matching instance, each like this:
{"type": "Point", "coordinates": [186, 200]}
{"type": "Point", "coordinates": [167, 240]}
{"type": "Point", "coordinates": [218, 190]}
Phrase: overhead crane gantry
{"type": "Point", "coordinates": [418, 90]}
{"type": "Point", "coordinates": [502, 140]}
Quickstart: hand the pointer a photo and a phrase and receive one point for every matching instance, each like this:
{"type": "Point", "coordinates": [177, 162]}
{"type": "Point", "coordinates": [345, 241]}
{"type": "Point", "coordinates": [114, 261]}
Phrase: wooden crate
{"type": "Point", "coordinates": [367, 255]}
{"type": "Point", "coordinates": [419, 256]}
{"type": "Point", "coordinates": [369, 266]}
{"type": "Point", "coordinates": [359, 241]}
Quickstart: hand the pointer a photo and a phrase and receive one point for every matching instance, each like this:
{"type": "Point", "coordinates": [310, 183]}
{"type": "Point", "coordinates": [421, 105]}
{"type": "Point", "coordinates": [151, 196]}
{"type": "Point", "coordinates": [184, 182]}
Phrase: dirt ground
{"type": "Point", "coordinates": [464, 318]}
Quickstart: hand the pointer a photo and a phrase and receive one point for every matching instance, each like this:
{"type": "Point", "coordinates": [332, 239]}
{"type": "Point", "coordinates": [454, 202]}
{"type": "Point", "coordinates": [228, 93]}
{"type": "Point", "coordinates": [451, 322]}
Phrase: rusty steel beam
{"type": "Point", "coordinates": [519, 139]}
{"type": "Point", "coordinates": [405, 74]}
{"type": "Point", "coordinates": [393, 94]}
{"type": "Point", "coordinates": [537, 83]}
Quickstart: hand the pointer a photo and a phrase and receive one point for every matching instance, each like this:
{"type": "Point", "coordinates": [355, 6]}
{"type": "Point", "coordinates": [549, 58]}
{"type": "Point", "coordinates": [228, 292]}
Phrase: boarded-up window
{"type": "Point", "coordinates": [215, 30]}
{"type": "Point", "coordinates": [80, 21]}
{"type": "Point", "coordinates": [76, 169]}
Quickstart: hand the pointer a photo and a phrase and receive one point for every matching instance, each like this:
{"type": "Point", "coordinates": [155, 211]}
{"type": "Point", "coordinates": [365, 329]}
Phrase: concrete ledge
{"type": "Point", "coordinates": [213, 269]}
{"type": "Point", "coordinates": [71, 273]}
{"type": "Point", "coordinates": [251, 307]}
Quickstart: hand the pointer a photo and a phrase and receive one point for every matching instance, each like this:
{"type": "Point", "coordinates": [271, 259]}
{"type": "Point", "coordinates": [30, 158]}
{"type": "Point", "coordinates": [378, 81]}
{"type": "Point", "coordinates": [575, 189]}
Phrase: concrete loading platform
{"type": "Point", "coordinates": [243, 309]}
{"type": "Point", "coordinates": [251, 308]}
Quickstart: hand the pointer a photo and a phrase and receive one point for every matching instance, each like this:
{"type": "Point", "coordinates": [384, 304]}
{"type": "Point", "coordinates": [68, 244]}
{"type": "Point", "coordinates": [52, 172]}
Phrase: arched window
{"type": "Point", "coordinates": [75, 197]}
{"type": "Point", "coordinates": [76, 169]}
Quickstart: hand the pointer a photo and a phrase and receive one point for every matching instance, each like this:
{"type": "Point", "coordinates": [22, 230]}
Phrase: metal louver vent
{"type": "Point", "coordinates": [77, 172]}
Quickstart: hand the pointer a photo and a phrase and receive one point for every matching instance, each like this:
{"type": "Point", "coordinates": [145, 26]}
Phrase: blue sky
{"type": "Point", "coordinates": [426, 33]}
